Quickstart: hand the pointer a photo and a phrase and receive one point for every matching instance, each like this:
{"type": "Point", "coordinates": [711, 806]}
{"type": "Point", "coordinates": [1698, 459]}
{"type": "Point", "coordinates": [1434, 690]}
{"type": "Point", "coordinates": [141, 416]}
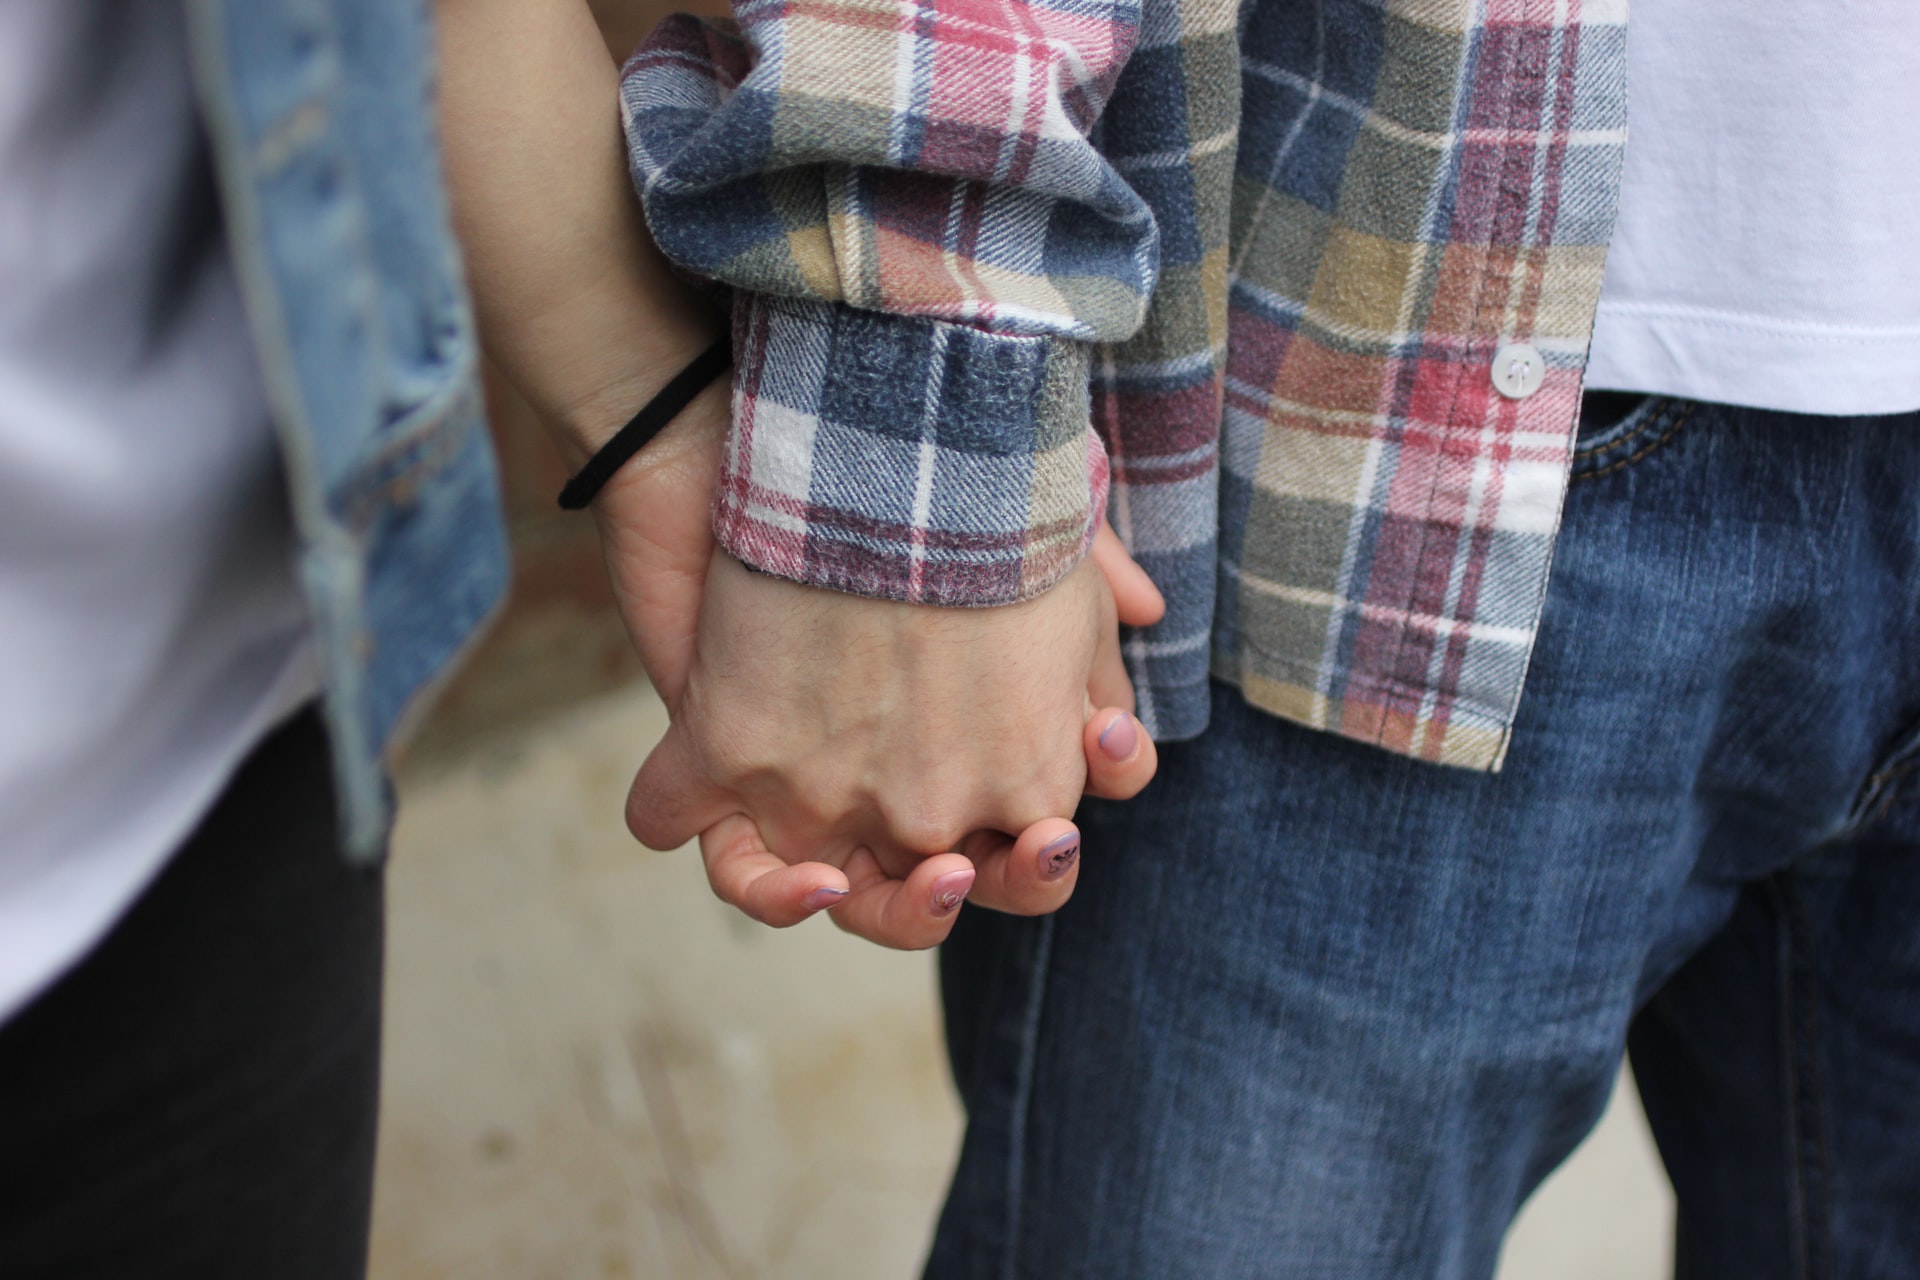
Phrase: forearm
{"type": "Point", "coordinates": [576, 305]}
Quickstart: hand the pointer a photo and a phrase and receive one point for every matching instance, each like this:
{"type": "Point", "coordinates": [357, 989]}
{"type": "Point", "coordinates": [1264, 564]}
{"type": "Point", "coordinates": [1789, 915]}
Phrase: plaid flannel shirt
{"type": "Point", "coordinates": [1251, 262]}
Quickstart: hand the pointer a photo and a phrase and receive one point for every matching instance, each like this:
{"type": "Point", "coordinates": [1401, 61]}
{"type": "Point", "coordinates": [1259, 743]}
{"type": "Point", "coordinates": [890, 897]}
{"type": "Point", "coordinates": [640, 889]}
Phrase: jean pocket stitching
{"type": "Point", "coordinates": [1671, 416]}
{"type": "Point", "coordinates": [1638, 420]}
{"type": "Point", "coordinates": [1886, 782]}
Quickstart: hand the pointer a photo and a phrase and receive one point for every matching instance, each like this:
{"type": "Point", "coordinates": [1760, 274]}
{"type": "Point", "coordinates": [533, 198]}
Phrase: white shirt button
{"type": "Point", "coordinates": [1518, 371]}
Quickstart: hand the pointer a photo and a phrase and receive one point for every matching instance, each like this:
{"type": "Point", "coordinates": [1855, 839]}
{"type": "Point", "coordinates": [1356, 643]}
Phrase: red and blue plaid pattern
{"type": "Point", "coordinates": [1265, 251]}
{"type": "Point", "coordinates": [924, 244]}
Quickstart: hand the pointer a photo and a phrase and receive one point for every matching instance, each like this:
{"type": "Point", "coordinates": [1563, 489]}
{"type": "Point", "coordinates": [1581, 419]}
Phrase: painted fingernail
{"type": "Point", "coordinates": [1057, 858]}
{"type": "Point", "coordinates": [822, 898]}
{"type": "Point", "coordinates": [950, 890]}
{"type": "Point", "coordinates": [1118, 739]}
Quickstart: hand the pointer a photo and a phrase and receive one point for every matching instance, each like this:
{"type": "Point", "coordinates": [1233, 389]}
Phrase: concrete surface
{"type": "Point", "coordinates": [595, 1071]}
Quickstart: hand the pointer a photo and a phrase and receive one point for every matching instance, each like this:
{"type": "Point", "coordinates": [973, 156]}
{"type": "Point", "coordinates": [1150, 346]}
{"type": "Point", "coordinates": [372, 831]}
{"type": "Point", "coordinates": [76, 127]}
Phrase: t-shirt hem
{"type": "Point", "coordinates": [1757, 362]}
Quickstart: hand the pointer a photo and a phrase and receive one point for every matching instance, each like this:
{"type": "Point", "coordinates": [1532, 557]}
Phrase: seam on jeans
{"type": "Point", "coordinates": [1680, 417]}
{"type": "Point", "coordinates": [1809, 1156]}
{"type": "Point", "coordinates": [1023, 1095]}
{"type": "Point", "coordinates": [1790, 1070]}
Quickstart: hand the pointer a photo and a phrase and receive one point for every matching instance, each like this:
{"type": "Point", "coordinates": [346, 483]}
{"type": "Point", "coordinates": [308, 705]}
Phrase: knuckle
{"type": "Point", "coordinates": [925, 824]}
{"type": "Point", "coordinates": [1056, 791]}
{"type": "Point", "coordinates": [925, 833]}
{"type": "Point", "coordinates": [816, 792]}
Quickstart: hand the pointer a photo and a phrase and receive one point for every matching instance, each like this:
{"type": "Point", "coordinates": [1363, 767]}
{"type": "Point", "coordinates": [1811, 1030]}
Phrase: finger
{"type": "Point", "coordinates": [911, 914]}
{"type": "Point", "coordinates": [1108, 684]}
{"type": "Point", "coordinates": [671, 800]}
{"type": "Point", "coordinates": [1029, 876]}
{"type": "Point", "coordinates": [1121, 758]}
{"type": "Point", "coordinates": [895, 863]}
{"type": "Point", "coordinates": [1140, 602]}
{"type": "Point", "coordinates": [744, 873]}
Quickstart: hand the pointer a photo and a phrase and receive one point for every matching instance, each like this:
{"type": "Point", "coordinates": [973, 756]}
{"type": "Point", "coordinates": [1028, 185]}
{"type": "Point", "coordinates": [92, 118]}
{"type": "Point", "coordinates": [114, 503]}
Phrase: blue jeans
{"type": "Point", "coordinates": [1316, 1010]}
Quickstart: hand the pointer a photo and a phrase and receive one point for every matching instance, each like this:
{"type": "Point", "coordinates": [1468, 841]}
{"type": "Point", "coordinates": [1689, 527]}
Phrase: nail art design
{"type": "Point", "coordinates": [949, 891]}
{"type": "Point", "coordinates": [1057, 858]}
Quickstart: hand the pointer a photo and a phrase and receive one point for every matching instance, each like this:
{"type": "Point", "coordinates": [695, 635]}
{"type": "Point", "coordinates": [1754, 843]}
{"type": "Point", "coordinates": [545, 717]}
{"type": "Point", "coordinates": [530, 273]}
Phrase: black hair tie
{"type": "Point", "coordinates": [646, 424]}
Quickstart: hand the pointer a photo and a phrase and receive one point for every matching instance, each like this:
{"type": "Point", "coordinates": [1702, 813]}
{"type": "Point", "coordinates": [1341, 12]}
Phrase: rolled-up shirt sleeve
{"type": "Point", "coordinates": [923, 248]}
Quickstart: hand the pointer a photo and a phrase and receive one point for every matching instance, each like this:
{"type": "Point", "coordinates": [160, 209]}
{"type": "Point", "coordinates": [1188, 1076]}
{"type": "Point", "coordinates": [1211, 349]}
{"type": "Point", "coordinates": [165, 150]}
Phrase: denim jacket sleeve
{"type": "Point", "coordinates": [923, 246]}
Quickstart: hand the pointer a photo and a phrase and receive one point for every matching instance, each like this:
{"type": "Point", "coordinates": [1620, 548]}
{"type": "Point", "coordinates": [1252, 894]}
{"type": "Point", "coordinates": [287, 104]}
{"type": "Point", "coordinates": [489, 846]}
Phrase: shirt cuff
{"type": "Point", "coordinates": [906, 458]}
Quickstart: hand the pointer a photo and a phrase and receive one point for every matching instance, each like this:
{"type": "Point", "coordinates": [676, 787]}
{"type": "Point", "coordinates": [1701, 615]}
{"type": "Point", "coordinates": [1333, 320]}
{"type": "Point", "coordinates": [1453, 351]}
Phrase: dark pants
{"type": "Point", "coordinates": [197, 1099]}
{"type": "Point", "coordinates": [1320, 1011]}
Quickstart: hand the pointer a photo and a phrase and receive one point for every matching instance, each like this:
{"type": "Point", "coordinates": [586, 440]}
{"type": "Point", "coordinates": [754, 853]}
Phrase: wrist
{"type": "Point", "coordinates": [619, 370]}
{"type": "Point", "coordinates": [647, 424]}
{"type": "Point", "coordinates": [686, 453]}
{"type": "Point", "coordinates": [581, 427]}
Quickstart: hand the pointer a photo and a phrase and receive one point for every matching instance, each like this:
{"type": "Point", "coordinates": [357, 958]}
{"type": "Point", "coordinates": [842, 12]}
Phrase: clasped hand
{"type": "Point", "coordinates": [878, 760]}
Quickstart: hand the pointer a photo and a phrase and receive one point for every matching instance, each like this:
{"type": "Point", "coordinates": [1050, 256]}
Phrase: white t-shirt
{"type": "Point", "coordinates": [151, 628]}
{"type": "Point", "coordinates": [1768, 247]}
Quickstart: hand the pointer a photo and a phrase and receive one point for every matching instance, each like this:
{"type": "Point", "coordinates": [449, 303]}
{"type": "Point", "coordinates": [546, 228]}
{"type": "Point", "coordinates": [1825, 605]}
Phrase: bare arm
{"type": "Point", "coordinates": [577, 307]}
{"type": "Point", "coordinates": [583, 315]}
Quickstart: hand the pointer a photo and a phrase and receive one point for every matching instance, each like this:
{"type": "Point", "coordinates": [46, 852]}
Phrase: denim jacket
{"type": "Point", "coordinates": [321, 113]}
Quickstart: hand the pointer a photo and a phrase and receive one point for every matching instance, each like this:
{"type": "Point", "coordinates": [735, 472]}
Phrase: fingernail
{"type": "Point", "coordinates": [823, 897]}
{"type": "Point", "coordinates": [1057, 858]}
{"type": "Point", "coordinates": [1118, 739]}
{"type": "Point", "coordinates": [950, 890]}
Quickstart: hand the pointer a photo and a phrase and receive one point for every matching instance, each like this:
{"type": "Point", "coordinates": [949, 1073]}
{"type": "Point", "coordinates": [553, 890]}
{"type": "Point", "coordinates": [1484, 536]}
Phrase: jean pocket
{"type": "Point", "coordinates": [1890, 782]}
{"type": "Point", "coordinates": [1618, 431]}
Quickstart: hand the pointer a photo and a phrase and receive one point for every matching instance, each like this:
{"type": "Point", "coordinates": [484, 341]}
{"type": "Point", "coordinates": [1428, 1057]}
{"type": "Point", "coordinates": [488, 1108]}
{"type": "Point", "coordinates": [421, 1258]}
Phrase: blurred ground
{"type": "Point", "coordinates": [595, 1071]}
